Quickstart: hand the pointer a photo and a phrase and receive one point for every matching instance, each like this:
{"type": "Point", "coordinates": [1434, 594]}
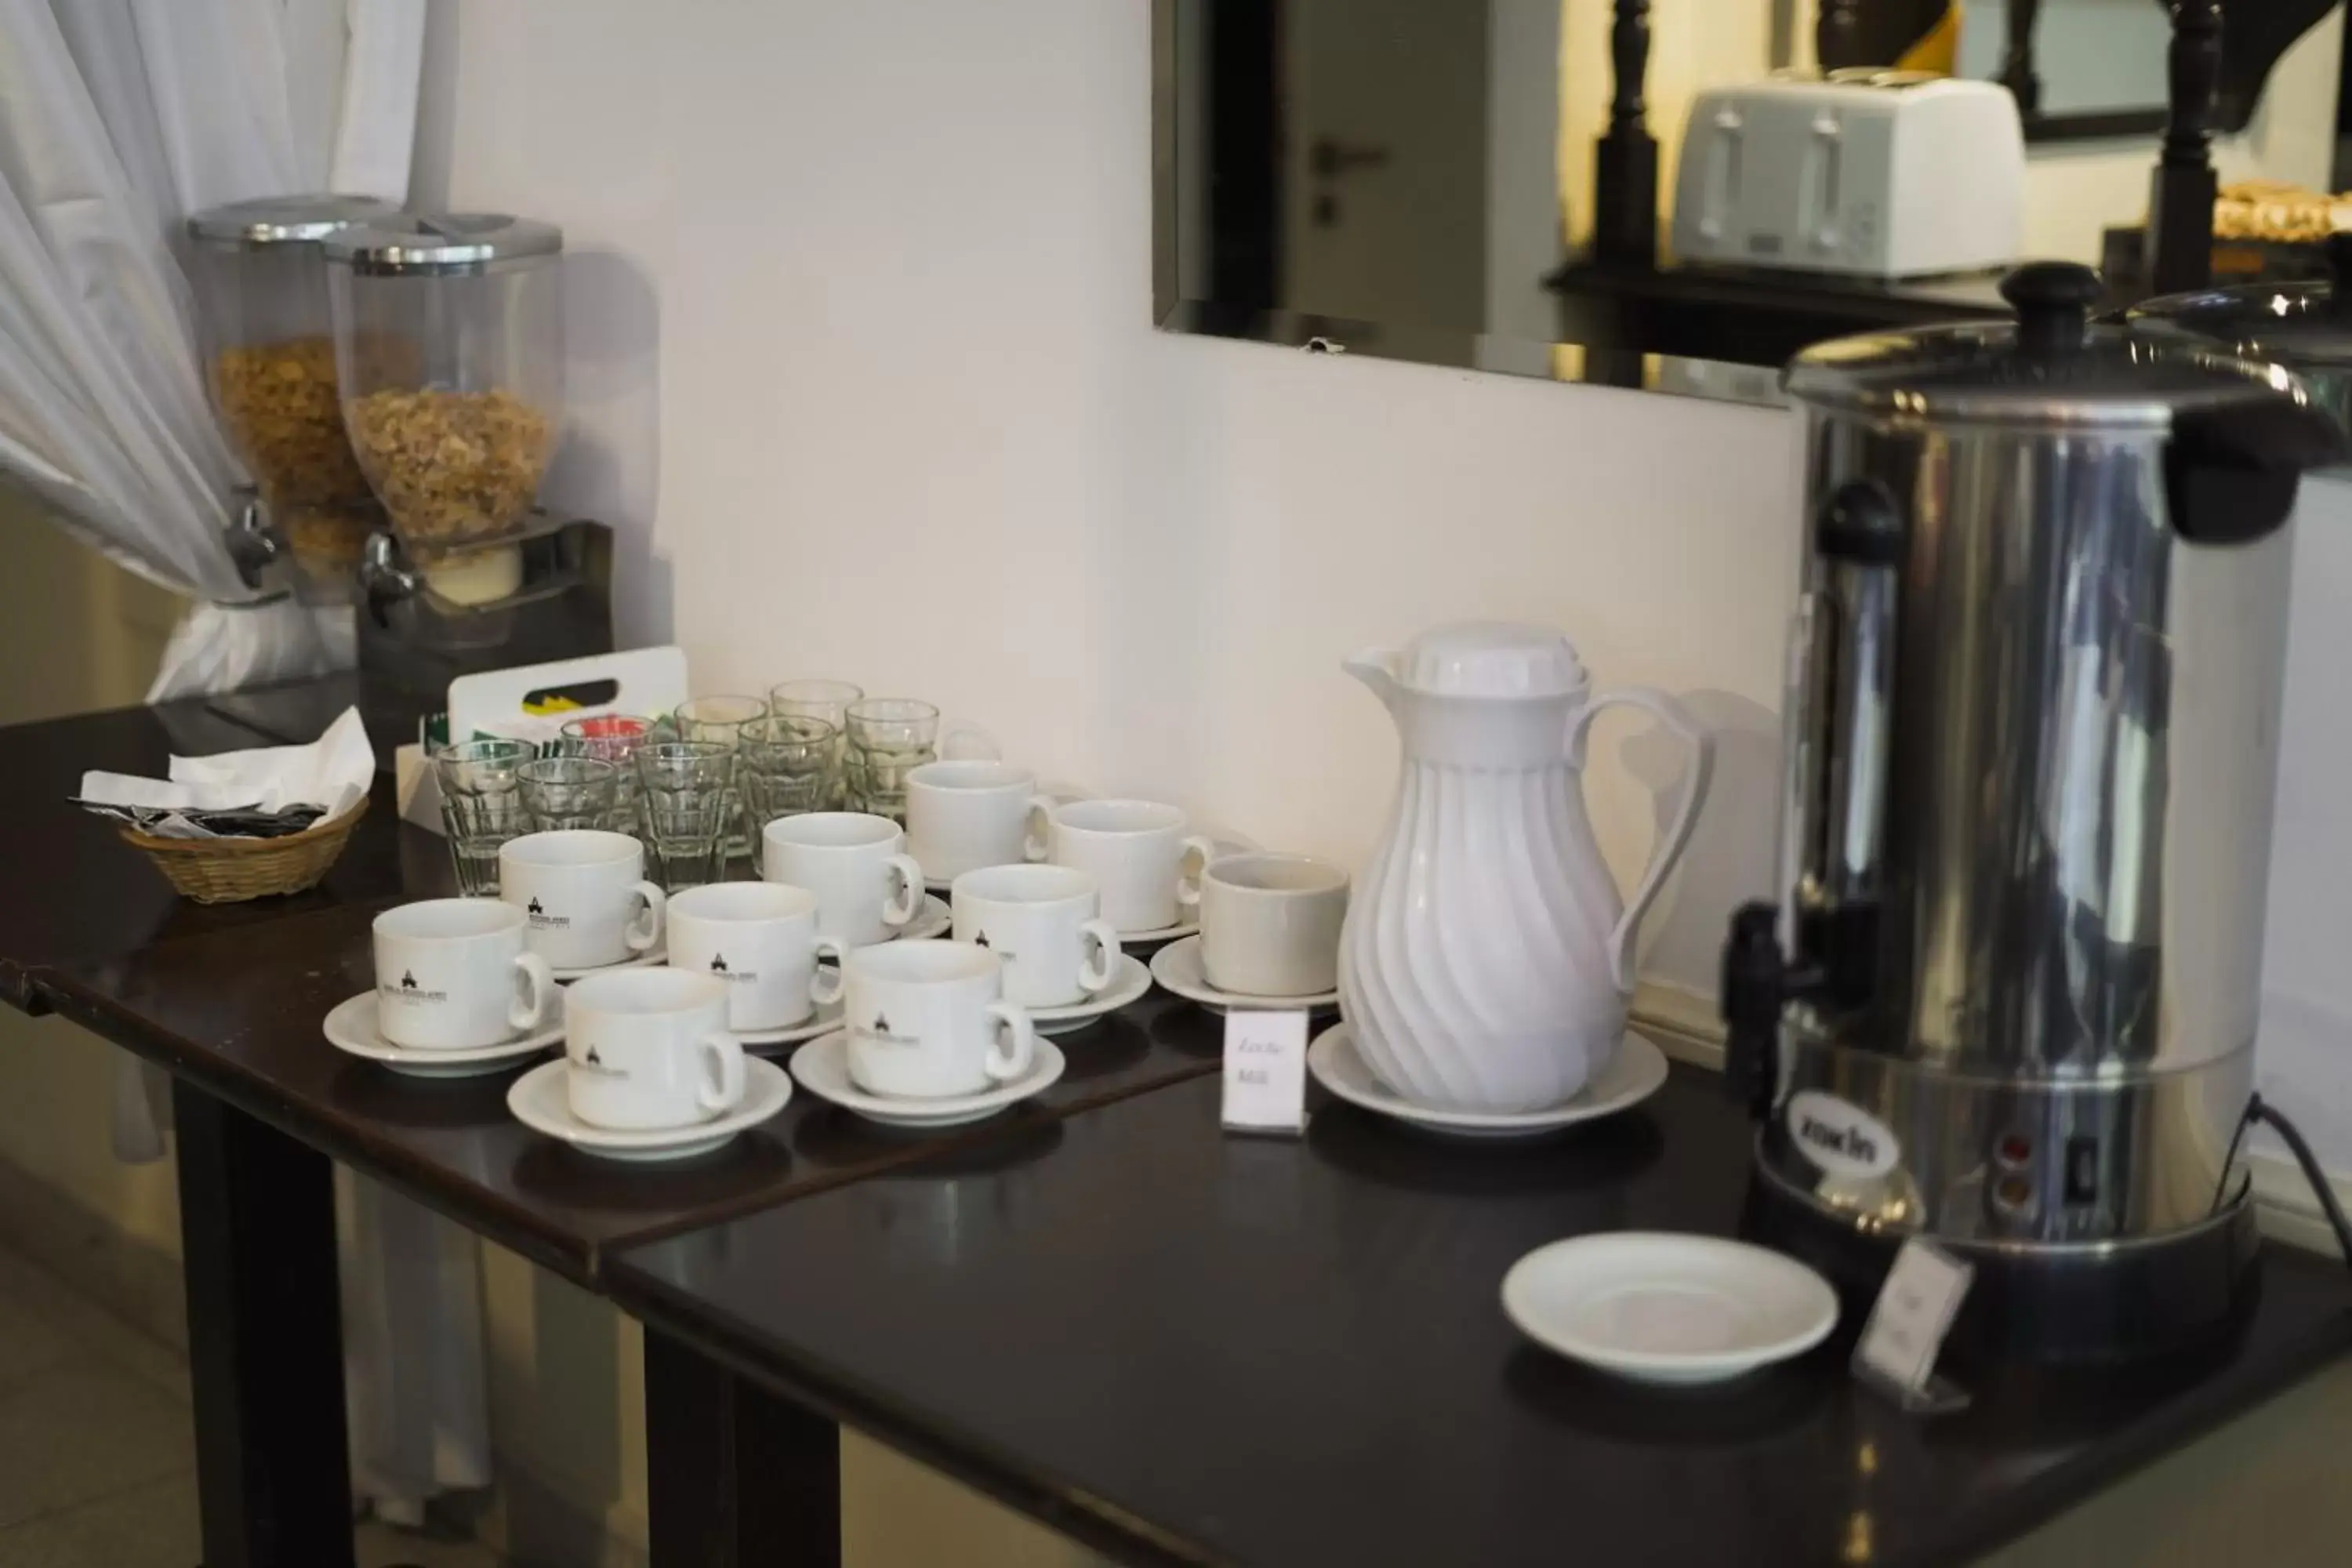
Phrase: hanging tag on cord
{"type": "Point", "coordinates": [1266, 1073]}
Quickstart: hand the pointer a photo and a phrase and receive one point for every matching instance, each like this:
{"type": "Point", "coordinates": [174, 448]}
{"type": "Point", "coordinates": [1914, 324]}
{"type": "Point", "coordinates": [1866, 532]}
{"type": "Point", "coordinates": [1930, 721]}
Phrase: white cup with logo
{"type": "Point", "coordinates": [1136, 851]}
{"type": "Point", "coordinates": [649, 1048]}
{"type": "Point", "coordinates": [857, 866]}
{"type": "Point", "coordinates": [1270, 925]}
{"type": "Point", "coordinates": [964, 816]}
{"type": "Point", "coordinates": [1041, 922]}
{"type": "Point", "coordinates": [927, 1020]}
{"type": "Point", "coordinates": [453, 975]}
{"type": "Point", "coordinates": [761, 939]}
{"type": "Point", "coordinates": [584, 893]}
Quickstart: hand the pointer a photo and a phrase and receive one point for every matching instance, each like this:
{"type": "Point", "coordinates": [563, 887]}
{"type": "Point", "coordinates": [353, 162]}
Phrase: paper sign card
{"type": "Point", "coordinates": [1265, 1072]}
{"type": "Point", "coordinates": [1915, 1311]}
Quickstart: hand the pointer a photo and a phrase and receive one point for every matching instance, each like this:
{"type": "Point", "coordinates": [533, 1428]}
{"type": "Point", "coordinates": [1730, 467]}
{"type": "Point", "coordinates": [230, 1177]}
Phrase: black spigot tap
{"type": "Point", "coordinates": [1755, 985]}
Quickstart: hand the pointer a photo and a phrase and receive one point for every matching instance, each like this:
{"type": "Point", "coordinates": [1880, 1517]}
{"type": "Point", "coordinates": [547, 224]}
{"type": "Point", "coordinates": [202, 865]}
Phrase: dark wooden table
{"type": "Point", "coordinates": [1183, 1346]}
{"type": "Point", "coordinates": [229, 1000]}
{"type": "Point", "coordinates": [234, 1016]}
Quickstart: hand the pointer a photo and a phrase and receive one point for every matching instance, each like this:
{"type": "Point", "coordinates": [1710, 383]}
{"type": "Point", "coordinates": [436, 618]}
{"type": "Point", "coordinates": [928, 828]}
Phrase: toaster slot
{"type": "Point", "coordinates": [1726, 165]}
{"type": "Point", "coordinates": [1823, 178]}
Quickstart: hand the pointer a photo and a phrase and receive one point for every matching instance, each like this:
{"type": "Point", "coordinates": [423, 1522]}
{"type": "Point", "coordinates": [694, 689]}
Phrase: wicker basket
{"type": "Point", "coordinates": [230, 870]}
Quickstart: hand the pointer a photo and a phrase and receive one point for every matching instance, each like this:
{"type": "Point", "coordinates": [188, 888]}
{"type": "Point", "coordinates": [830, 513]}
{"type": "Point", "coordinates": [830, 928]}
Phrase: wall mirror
{"type": "Point", "coordinates": [1533, 186]}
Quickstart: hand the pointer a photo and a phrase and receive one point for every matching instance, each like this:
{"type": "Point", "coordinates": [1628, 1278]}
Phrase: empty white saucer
{"type": "Point", "coordinates": [1659, 1307]}
{"type": "Point", "coordinates": [932, 920]}
{"type": "Point", "coordinates": [540, 1103]}
{"type": "Point", "coordinates": [1188, 924]}
{"type": "Point", "coordinates": [352, 1027]}
{"type": "Point", "coordinates": [1129, 982]}
{"type": "Point", "coordinates": [1177, 967]}
{"type": "Point", "coordinates": [657, 954]}
{"type": "Point", "coordinates": [1637, 1073]}
{"type": "Point", "coordinates": [823, 1069]}
{"type": "Point", "coordinates": [824, 1020]}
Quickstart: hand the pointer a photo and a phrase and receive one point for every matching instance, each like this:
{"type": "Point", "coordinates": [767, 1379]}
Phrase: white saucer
{"type": "Point", "coordinates": [932, 920]}
{"type": "Point", "coordinates": [1177, 967]}
{"type": "Point", "coordinates": [351, 1027]}
{"type": "Point", "coordinates": [657, 954]}
{"type": "Point", "coordinates": [538, 1101]}
{"type": "Point", "coordinates": [823, 1021]}
{"type": "Point", "coordinates": [1187, 924]}
{"type": "Point", "coordinates": [1658, 1307]}
{"type": "Point", "coordinates": [1637, 1073]}
{"type": "Point", "coordinates": [1130, 981]}
{"type": "Point", "coordinates": [823, 1069]}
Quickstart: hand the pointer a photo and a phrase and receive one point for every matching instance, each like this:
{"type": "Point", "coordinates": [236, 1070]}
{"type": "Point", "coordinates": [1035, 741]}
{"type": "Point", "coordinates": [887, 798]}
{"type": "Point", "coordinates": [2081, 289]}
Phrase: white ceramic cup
{"type": "Point", "coordinates": [585, 894]}
{"type": "Point", "coordinates": [1135, 851]}
{"type": "Point", "coordinates": [1270, 925]}
{"type": "Point", "coordinates": [962, 817]}
{"type": "Point", "coordinates": [649, 1047]}
{"type": "Point", "coordinates": [856, 864]}
{"type": "Point", "coordinates": [452, 974]}
{"type": "Point", "coordinates": [924, 1019]}
{"type": "Point", "coordinates": [1040, 922]}
{"type": "Point", "coordinates": [761, 939]}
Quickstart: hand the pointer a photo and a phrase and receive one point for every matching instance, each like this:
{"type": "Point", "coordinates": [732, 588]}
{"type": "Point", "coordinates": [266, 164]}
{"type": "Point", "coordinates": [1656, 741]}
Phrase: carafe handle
{"type": "Point", "coordinates": [1670, 848]}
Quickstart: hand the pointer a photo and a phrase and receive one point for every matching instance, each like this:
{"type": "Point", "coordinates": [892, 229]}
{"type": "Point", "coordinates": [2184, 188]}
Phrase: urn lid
{"type": "Point", "coordinates": [1492, 659]}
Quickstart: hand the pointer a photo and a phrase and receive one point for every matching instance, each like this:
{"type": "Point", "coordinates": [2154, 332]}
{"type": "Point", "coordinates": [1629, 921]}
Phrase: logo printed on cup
{"type": "Point", "coordinates": [594, 1062]}
{"type": "Point", "coordinates": [409, 991]}
{"type": "Point", "coordinates": [541, 921]}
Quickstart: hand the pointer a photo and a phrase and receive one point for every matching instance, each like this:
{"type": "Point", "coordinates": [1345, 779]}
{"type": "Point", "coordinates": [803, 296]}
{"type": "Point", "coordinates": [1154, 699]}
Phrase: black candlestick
{"type": "Point", "coordinates": [2181, 202]}
{"type": "Point", "coordinates": [1625, 166]}
{"type": "Point", "coordinates": [2017, 72]}
{"type": "Point", "coordinates": [1837, 36]}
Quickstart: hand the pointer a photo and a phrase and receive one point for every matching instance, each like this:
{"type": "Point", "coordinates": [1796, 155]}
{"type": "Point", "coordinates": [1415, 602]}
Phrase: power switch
{"type": "Point", "coordinates": [2081, 1171]}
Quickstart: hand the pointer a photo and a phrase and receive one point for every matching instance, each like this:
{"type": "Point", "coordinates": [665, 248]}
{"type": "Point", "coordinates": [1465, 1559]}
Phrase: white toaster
{"type": "Point", "coordinates": [1867, 174]}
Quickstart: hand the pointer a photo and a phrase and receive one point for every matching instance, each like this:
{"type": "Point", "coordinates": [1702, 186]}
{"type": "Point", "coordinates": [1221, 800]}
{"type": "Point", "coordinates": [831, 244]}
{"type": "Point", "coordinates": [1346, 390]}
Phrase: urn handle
{"type": "Point", "coordinates": [1676, 838]}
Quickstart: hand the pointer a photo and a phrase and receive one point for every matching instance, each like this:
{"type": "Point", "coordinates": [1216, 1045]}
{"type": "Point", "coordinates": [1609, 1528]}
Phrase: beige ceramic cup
{"type": "Point", "coordinates": [1270, 925]}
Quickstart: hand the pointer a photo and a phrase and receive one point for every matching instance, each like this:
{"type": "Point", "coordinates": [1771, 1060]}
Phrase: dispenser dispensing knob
{"type": "Point", "coordinates": [1755, 985]}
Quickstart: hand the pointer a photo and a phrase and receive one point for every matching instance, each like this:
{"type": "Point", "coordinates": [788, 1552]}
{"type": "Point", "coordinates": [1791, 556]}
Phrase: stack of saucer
{"type": "Point", "coordinates": [928, 1040]}
{"type": "Point", "coordinates": [649, 1071]}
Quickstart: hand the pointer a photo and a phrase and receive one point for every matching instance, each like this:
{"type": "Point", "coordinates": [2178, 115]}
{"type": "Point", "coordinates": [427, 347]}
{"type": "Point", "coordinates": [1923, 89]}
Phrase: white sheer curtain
{"type": "Point", "coordinates": [118, 118]}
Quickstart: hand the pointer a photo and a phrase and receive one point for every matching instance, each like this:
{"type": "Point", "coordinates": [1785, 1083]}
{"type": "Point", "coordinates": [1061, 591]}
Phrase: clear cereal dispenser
{"type": "Point", "coordinates": [450, 353]}
{"type": "Point", "coordinates": [265, 331]}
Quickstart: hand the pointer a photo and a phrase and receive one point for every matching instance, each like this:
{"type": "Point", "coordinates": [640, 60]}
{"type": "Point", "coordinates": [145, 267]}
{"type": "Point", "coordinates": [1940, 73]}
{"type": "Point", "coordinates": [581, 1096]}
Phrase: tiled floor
{"type": "Point", "coordinates": [97, 1458]}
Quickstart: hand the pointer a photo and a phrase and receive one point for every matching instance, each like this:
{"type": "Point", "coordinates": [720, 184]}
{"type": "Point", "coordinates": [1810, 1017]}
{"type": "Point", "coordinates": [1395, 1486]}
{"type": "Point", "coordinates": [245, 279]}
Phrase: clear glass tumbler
{"type": "Point", "coordinates": [688, 797]}
{"type": "Point", "coordinates": [615, 738]}
{"type": "Point", "coordinates": [786, 766]}
{"type": "Point", "coordinates": [825, 700]}
{"type": "Point", "coordinates": [481, 806]}
{"type": "Point", "coordinates": [889, 737]}
{"type": "Point", "coordinates": [568, 792]}
{"type": "Point", "coordinates": [721, 721]}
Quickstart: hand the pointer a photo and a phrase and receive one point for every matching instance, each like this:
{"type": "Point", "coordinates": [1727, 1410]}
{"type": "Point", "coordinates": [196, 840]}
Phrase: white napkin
{"type": "Point", "coordinates": [331, 772]}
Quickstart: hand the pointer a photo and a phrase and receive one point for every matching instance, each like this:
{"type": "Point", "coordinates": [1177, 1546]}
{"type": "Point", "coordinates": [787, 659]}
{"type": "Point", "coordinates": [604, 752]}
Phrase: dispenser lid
{"type": "Point", "coordinates": [286, 220]}
{"type": "Point", "coordinates": [1492, 659]}
{"type": "Point", "coordinates": [444, 242]}
{"type": "Point", "coordinates": [2050, 368]}
{"type": "Point", "coordinates": [2303, 326]}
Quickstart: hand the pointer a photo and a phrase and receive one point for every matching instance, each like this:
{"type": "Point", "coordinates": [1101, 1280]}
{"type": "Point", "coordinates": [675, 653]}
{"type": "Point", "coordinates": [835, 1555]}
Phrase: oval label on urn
{"type": "Point", "coordinates": [1842, 1137]}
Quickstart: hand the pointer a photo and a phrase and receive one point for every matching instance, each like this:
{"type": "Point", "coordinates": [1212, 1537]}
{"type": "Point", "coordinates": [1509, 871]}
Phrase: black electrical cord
{"type": "Point", "coordinates": [2256, 1110]}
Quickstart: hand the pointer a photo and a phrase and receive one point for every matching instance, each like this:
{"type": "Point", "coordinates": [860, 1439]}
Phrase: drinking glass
{"type": "Point", "coordinates": [614, 738]}
{"type": "Point", "coordinates": [786, 766]}
{"type": "Point", "coordinates": [825, 700]}
{"type": "Point", "coordinates": [687, 796]}
{"type": "Point", "coordinates": [889, 737]}
{"type": "Point", "coordinates": [721, 721]}
{"type": "Point", "coordinates": [568, 792]}
{"type": "Point", "coordinates": [481, 807]}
